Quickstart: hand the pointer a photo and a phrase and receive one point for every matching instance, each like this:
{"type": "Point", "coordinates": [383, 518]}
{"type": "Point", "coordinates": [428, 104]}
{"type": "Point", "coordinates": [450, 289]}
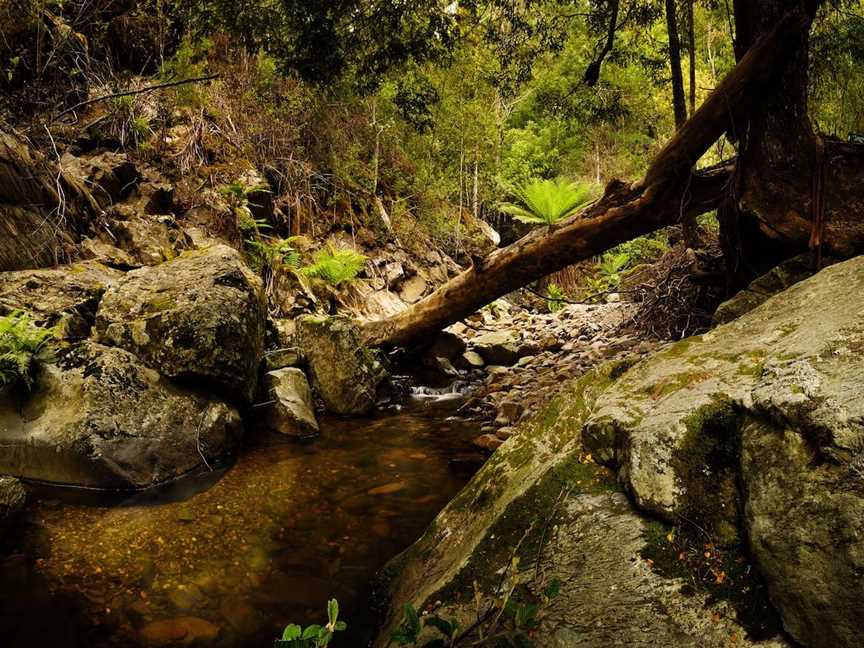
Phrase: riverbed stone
{"type": "Point", "coordinates": [344, 372]}
{"type": "Point", "coordinates": [293, 412]}
{"type": "Point", "coordinates": [99, 418]}
{"type": "Point", "coordinates": [497, 348]}
{"type": "Point", "coordinates": [282, 358]}
{"type": "Point", "coordinates": [199, 317]}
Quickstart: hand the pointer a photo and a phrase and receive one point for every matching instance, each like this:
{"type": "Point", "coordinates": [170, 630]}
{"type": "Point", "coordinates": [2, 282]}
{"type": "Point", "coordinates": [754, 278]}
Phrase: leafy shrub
{"type": "Point", "coordinates": [237, 194]}
{"type": "Point", "coordinates": [336, 267]}
{"type": "Point", "coordinates": [22, 346]}
{"type": "Point", "coordinates": [556, 297]}
{"type": "Point", "coordinates": [546, 202]}
{"type": "Point", "coordinates": [314, 636]}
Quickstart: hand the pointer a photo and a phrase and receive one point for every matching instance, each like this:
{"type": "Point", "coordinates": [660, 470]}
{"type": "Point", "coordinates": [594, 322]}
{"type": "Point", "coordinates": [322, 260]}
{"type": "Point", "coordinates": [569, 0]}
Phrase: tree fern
{"type": "Point", "coordinates": [335, 266]}
{"type": "Point", "coordinates": [22, 345]}
{"type": "Point", "coordinates": [546, 202]}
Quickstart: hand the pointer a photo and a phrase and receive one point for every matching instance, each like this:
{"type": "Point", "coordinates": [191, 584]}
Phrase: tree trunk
{"type": "Point", "coordinates": [679, 103]}
{"type": "Point", "coordinates": [691, 34]}
{"type": "Point", "coordinates": [802, 188]}
{"type": "Point", "coordinates": [592, 73]}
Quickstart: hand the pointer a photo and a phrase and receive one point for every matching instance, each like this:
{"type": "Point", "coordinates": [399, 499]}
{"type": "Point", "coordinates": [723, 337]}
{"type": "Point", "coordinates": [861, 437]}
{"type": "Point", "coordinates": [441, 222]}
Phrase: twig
{"type": "Point", "coordinates": [128, 93]}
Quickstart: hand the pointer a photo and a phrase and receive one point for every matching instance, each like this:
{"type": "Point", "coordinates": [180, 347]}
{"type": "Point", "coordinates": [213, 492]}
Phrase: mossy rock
{"type": "Point", "coordinates": [198, 318]}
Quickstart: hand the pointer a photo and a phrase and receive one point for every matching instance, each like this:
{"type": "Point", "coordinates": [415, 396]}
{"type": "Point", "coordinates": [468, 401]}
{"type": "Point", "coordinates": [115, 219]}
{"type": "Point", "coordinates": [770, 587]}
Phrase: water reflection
{"type": "Point", "coordinates": [284, 529]}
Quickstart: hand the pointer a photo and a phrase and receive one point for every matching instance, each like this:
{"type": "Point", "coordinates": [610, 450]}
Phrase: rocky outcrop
{"type": "Point", "coordinates": [292, 413]}
{"type": "Point", "coordinates": [772, 401]}
{"type": "Point", "coordinates": [66, 297]}
{"type": "Point", "coordinates": [540, 501]}
{"type": "Point", "coordinates": [99, 418]}
{"type": "Point", "coordinates": [344, 372]}
{"type": "Point", "coordinates": [197, 318]}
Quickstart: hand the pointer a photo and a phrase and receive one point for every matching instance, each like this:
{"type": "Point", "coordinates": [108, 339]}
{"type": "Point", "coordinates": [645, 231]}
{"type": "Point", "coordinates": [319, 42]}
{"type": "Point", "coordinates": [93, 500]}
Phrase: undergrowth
{"type": "Point", "coordinates": [22, 346]}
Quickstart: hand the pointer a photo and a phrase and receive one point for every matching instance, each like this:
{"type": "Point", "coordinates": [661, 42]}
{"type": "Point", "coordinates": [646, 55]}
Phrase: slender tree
{"type": "Point", "coordinates": [679, 103]}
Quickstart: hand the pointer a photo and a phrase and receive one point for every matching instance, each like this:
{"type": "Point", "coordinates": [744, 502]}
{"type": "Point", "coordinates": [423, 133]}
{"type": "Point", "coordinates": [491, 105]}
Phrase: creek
{"type": "Point", "coordinates": [230, 558]}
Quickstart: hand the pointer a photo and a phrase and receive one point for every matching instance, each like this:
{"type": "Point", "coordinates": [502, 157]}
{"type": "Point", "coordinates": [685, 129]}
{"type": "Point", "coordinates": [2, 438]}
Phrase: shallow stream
{"type": "Point", "coordinates": [229, 559]}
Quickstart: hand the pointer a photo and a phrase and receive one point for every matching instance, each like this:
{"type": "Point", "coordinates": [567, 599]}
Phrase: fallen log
{"type": "Point", "coordinates": [669, 193]}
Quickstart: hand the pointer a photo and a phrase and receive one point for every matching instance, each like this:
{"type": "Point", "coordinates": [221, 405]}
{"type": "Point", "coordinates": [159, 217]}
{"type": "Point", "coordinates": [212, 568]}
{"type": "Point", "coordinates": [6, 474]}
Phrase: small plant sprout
{"type": "Point", "coordinates": [314, 636]}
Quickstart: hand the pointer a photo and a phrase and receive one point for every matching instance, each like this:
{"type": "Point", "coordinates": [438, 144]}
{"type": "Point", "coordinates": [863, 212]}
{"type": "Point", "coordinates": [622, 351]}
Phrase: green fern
{"type": "Point", "coordinates": [335, 266]}
{"type": "Point", "coordinates": [546, 202]}
{"type": "Point", "coordinates": [22, 345]}
{"type": "Point", "coordinates": [274, 253]}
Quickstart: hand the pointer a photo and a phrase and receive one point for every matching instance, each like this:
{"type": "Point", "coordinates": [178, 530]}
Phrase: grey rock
{"type": "Point", "coordinates": [101, 419]}
{"type": "Point", "coordinates": [344, 372]}
{"type": "Point", "coordinates": [200, 316]}
{"type": "Point", "coordinates": [497, 348]}
{"type": "Point", "coordinates": [282, 358]}
{"type": "Point", "coordinates": [781, 392]}
{"type": "Point", "coordinates": [413, 289]}
{"type": "Point", "coordinates": [784, 276]}
{"type": "Point", "coordinates": [293, 413]}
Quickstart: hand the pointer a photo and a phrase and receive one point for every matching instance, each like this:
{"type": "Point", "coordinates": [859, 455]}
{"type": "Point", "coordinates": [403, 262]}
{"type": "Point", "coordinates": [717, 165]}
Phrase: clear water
{"type": "Point", "coordinates": [231, 563]}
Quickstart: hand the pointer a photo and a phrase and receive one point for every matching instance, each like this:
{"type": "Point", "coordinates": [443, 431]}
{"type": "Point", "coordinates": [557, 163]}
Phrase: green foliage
{"type": "Point", "coordinates": [556, 296]}
{"type": "Point", "coordinates": [546, 201]}
{"type": "Point", "coordinates": [274, 253]}
{"type": "Point", "coordinates": [189, 61]}
{"type": "Point", "coordinates": [335, 266]}
{"type": "Point", "coordinates": [237, 194]}
{"type": "Point", "coordinates": [315, 636]}
{"type": "Point", "coordinates": [504, 621]}
{"type": "Point", "coordinates": [22, 346]}
{"type": "Point", "coordinates": [613, 264]}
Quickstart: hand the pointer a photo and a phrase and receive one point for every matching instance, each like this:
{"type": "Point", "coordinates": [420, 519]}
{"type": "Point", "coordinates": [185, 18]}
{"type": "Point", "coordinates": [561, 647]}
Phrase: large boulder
{"type": "Point", "coordinates": [541, 502]}
{"type": "Point", "coordinates": [344, 372]}
{"type": "Point", "coordinates": [66, 297]}
{"type": "Point", "coordinates": [760, 420]}
{"type": "Point", "coordinates": [101, 419]}
{"type": "Point", "coordinates": [292, 411]}
{"type": "Point", "coordinates": [199, 317]}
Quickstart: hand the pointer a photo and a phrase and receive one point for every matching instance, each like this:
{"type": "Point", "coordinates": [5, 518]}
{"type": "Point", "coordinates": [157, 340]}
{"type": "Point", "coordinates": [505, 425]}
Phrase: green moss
{"type": "Point", "coordinates": [159, 304]}
{"type": "Point", "coordinates": [534, 513]}
{"type": "Point", "coordinates": [706, 463]}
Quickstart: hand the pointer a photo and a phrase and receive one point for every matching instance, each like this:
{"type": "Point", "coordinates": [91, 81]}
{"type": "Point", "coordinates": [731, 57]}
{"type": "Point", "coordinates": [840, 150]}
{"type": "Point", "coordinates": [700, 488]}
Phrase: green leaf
{"type": "Point", "coordinates": [553, 589]}
{"type": "Point", "coordinates": [332, 611]}
{"type": "Point", "coordinates": [312, 632]}
{"type": "Point", "coordinates": [340, 626]}
{"type": "Point", "coordinates": [292, 632]}
{"type": "Point", "coordinates": [441, 625]}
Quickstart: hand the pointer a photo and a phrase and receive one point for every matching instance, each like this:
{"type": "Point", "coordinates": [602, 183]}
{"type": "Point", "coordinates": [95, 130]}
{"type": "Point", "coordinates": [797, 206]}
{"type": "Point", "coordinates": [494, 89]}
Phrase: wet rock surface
{"type": "Point", "coordinates": [101, 419]}
{"type": "Point", "coordinates": [12, 500]}
{"type": "Point", "coordinates": [293, 411]}
{"type": "Point", "coordinates": [344, 372]}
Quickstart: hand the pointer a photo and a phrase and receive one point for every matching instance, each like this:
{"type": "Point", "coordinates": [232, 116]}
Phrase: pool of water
{"type": "Point", "coordinates": [230, 559]}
